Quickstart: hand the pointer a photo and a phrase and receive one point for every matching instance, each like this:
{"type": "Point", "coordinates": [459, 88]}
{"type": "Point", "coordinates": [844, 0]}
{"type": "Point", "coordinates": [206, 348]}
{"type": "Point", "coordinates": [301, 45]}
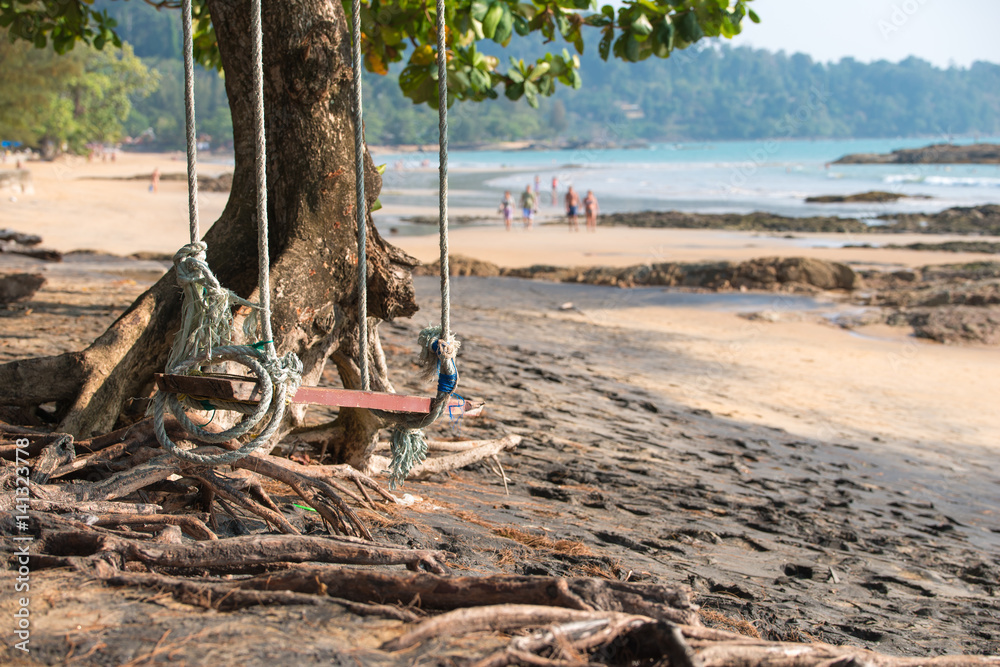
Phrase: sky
{"type": "Point", "coordinates": [944, 32]}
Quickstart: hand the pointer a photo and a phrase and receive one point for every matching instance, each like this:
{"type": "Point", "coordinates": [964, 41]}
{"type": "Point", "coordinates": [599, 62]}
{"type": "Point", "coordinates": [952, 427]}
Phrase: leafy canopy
{"type": "Point", "coordinates": [70, 99]}
{"type": "Point", "coordinates": [395, 31]}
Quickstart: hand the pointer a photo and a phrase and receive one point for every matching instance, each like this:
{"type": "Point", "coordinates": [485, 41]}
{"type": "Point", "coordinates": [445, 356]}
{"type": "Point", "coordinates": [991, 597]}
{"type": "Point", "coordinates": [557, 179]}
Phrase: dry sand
{"type": "Point", "coordinates": [77, 205]}
{"type": "Point", "coordinates": [627, 246]}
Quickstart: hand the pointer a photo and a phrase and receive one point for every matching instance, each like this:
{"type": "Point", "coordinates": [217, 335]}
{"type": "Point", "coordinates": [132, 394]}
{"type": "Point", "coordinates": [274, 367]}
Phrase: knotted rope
{"type": "Point", "coordinates": [438, 346]}
{"type": "Point", "coordinates": [205, 335]}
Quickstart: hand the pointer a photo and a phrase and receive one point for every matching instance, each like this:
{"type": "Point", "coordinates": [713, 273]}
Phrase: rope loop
{"type": "Point", "coordinates": [277, 380]}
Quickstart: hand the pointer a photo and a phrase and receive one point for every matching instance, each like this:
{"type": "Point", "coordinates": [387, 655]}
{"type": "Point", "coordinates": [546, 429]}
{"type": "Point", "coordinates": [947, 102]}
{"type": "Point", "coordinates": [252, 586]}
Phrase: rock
{"type": "Point", "coordinates": [934, 154]}
{"type": "Point", "coordinates": [19, 286]}
{"type": "Point", "coordinates": [978, 220]}
{"type": "Point", "coordinates": [459, 265]}
{"type": "Point", "coordinates": [873, 196]}
{"type": "Point", "coordinates": [819, 273]}
{"type": "Point", "coordinates": [791, 274]}
{"type": "Point", "coordinates": [756, 221]}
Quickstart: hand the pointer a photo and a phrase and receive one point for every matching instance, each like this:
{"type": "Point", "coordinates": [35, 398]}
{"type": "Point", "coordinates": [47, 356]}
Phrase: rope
{"type": "Point", "coordinates": [260, 144]}
{"type": "Point", "coordinates": [277, 378]}
{"type": "Point", "coordinates": [207, 310]}
{"type": "Point", "coordinates": [438, 347]}
{"type": "Point", "coordinates": [189, 124]}
{"type": "Point", "coordinates": [360, 206]}
{"type": "Point", "coordinates": [442, 63]}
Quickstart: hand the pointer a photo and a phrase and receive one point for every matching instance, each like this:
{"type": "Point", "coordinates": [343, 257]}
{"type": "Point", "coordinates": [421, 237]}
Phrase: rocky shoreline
{"type": "Point", "coordinates": [934, 154]}
{"type": "Point", "coordinates": [972, 220]}
{"type": "Point", "coordinates": [952, 303]}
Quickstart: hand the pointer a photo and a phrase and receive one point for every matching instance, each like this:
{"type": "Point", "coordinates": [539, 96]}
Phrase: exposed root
{"type": "Point", "coordinates": [500, 618]}
{"type": "Point", "coordinates": [226, 596]}
{"type": "Point", "coordinates": [83, 547]}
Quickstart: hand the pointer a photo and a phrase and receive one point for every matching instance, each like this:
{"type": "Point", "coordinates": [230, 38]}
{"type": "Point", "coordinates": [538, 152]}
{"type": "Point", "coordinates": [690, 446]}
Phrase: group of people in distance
{"type": "Point", "coordinates": [529, 206]}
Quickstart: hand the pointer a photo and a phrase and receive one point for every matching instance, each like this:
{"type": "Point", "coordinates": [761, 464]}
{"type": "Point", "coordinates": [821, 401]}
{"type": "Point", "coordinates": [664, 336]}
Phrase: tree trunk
{"type": "Point", "coordinates": [310, 150]}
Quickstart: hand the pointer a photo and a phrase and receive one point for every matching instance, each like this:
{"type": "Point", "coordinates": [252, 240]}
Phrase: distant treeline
{"type": "Point", "coordinates": [714, 92]}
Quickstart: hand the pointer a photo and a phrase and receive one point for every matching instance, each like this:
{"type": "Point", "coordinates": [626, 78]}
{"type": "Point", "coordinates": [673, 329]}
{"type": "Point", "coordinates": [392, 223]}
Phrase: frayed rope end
{"type": "Point", "coordinates": [409, 449]}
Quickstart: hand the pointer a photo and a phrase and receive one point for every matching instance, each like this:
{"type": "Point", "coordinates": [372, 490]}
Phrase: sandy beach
{"type": "Point", "coordinates": [798, 372]}
{"type": "Point", "coordinates": [809, 481]}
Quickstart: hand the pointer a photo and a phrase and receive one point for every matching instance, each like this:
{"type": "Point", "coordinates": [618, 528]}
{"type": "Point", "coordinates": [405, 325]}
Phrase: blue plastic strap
{"type": "Point", "coordinates": [447, 382]}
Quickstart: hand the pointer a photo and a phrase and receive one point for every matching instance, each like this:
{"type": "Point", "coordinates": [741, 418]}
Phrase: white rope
{"type": "Point", "coordinates": [442, 63]}
{"type": "Point", "coordinates": [359, 197]}
{"type": "Point", "coordinates": [189, 124]}
{"type": "Point", "coordinates": [260, 144]}
{"type": "Point", "coordinates": [207, 310]}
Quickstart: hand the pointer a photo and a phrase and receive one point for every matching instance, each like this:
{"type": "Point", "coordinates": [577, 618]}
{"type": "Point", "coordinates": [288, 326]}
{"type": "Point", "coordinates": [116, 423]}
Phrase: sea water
{"type": "Point", "coordinates": [703, 177]}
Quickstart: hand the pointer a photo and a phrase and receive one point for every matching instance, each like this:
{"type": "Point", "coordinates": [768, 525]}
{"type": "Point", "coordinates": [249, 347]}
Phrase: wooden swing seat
{"type": "Point", "coordinates": [238, 388]}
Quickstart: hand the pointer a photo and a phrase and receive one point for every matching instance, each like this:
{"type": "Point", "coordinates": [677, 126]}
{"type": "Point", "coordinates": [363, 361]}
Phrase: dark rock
{"type": "Point", "coordinates": [873, 196]}
{"type": "Point", "coordinates": [934, 154]}
{"type": "Point", "coordinates": [19, 286]}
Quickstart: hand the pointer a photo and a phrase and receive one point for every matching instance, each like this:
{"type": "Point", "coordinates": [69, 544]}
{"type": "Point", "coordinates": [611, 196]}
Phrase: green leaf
{"type": "Point", "coordinates": [604, 48]}
{"type": "Point", "coordinates": [540, 70]}
{"type": "Point", "coordinates": [563, 24]}
{"type": "Point", "coordinates": [492, 19]}
{"type": "Point", "coordinates": [505, 26]}
{"type": "Point", "coordinates": [753, 16]}
{"type": "Point", "coordinates": [478, 10]}
{"type": "Point", "coordinates": [376, 206]}
{"type": "Point", "coordinates": [665, 35]}
{"type": "Point", "coordinates": [689, 28]}
{"type": "Point", "coordinates": [632, 47]}
{"type": "Point", "coordinates": [521, 25]}
{"type": "Point", "coordinates": [514, 91]}
{"type": "Point", "coordinates": [642, 26]}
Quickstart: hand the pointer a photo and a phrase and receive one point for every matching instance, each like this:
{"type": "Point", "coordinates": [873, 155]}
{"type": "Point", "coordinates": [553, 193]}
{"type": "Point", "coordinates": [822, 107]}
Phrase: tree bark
{"type": "Point", "coordinates": [312, 233]}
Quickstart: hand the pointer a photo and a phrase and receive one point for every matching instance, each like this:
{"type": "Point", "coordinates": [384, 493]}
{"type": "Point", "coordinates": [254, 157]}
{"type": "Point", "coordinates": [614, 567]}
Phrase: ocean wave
{"type": "Point", "coordinates": [945, 181]}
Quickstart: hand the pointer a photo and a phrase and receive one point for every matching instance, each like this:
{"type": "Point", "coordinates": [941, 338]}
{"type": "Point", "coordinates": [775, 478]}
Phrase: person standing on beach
{"type": "Point", "coordinates": [507, 208]}
{"type": "Point", "coordinates": [528, 201]}
{"type": "Point", "coordinates": [591, 209]}
{"type": "Point", "coordinates": [572, 208]}
{"type": "Point", "coordinates": [154, 184]}
{"type": "Point", "coordinates": [555, 189]}
{"type": "Point", "coordinates": [538, 185]}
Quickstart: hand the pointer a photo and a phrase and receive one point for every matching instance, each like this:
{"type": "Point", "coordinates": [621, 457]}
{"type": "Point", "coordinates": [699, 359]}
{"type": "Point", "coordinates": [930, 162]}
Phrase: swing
{"type": "Point", "coordinates": [207, 316]}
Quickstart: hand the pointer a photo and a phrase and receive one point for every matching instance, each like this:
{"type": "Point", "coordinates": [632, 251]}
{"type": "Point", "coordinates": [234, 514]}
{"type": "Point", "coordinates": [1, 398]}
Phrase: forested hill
{"type": "Point", "coordinates": [716, 92]}
{"type": "Point", "coordinates": [722, 93]}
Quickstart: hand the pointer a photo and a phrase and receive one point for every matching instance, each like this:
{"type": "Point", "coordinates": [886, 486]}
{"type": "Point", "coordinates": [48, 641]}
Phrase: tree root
{"type": "Point", "coordinates": [138, 463]}
{"type": "Point", "coordinates": [499, 618]}
{"type": "Point", "coordinates": [78, 545]}
{"type": "Point", "coordinates": [612, 638]}
{"type": "Point", "coordinates": [225, 596]}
